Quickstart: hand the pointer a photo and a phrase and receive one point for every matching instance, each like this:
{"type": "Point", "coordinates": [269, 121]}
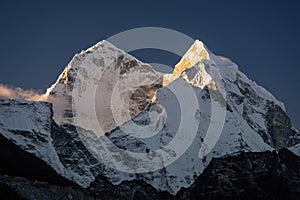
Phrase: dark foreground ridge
{"type": "Point", "coordinates": [264, 175]}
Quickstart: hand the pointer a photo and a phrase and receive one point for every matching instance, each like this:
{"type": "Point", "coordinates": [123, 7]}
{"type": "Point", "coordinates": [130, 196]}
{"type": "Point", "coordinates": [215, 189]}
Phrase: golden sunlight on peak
{"type": "Point", "coordinates": [196, 53]}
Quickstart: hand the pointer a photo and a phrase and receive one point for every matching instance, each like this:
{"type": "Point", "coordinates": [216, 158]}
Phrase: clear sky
{"type": "Point", "coordinates": [39, 38]}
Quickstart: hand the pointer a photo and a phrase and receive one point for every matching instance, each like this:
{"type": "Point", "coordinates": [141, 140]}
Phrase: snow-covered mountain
{"type": "Point", "coordinates": [115, 84]}
{"type": "Point", "coordinates": [207, 108]}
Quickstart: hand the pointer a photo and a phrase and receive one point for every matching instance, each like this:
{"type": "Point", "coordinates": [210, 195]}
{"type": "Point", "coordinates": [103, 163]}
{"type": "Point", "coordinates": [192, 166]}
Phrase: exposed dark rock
{"type": "Point", "coordinates": [65, 140]}
{"type": "Point", "coordinates": [8, 194]}
{"type": "Point", "coordinates": [279, 127]}
{"type": "Point", "coordinates": [14, 161]}
{"type": "Point", "coordinates": [264, 175]}
{"type": "Point", "coordinates": [21, 188]}
{"type": "Point", "coordinates": [278, 132]}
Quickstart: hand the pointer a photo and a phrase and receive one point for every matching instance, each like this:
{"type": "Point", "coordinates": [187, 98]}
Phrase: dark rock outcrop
{"type": "Point", "coordinates": [264, 175]}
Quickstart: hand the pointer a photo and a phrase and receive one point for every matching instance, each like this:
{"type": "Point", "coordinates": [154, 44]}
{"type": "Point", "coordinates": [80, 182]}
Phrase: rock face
{"type": "Point", "coordinates": [263, 175]}
{"type": "Point", "coordinates": [279, 125]}
{"type": "Point", "coordinates": [29, 125]}
{"type": "Point", "coordinates": [116, 85]}
{"type": "Point", "coordinates": [210, 128]}
{"type": "Point", "coordinates": [25, 176]}
{"type": "Point", "coordinates": [266, 175]}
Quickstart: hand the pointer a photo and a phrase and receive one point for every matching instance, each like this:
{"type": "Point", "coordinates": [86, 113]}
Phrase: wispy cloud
{"type": "Point", "coordinates": [16, 92]}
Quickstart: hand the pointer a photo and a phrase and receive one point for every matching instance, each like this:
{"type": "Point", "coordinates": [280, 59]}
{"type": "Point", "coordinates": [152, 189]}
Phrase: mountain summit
{"type": "Point", "coordinates": [113, 78]}
{"type": "Point", "coordinates": [196, 53]}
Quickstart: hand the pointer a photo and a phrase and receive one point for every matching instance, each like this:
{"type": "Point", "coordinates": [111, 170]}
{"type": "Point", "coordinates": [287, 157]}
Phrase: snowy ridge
{"type": "Point", "coordinates": [28, 124]}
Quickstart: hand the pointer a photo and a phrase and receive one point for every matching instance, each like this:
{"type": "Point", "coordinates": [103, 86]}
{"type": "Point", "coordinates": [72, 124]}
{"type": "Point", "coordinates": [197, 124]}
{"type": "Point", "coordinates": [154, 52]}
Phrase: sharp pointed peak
{"type": "Point", "coordinates": [195, 54]}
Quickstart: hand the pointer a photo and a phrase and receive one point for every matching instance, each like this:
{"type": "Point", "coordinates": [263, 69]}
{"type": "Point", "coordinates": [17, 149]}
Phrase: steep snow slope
{"type": "Point", "coordinates": [29, 125]}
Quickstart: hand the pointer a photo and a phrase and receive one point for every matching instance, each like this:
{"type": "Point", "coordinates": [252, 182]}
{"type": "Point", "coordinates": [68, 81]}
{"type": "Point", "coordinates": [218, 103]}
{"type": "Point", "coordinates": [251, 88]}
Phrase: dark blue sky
{"type": "Point", "coordinates": [38, 39]}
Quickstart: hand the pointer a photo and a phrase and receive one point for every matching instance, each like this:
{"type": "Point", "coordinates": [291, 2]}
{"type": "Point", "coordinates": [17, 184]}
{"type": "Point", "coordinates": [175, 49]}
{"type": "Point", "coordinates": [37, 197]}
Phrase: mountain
{"type": "Point", "coordinates": [113, 78]}
{"type": "Point", "coordinates": [113, 121]}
